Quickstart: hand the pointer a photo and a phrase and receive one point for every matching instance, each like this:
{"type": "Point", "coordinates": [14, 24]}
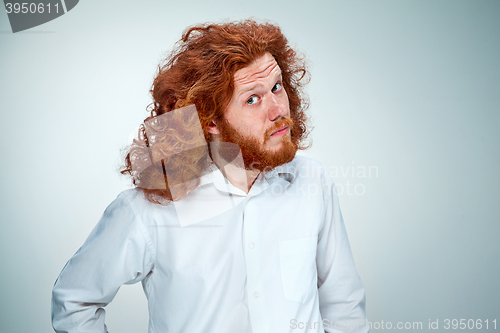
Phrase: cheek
{"type": "Point", "coordinates": [245, 126]}
{"type": "Point", "coordinates": [255, 122]}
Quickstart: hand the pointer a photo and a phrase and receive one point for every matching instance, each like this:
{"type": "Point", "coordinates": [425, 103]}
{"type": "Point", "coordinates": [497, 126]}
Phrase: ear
{"type": "Point", "coordinates": [212, 128]}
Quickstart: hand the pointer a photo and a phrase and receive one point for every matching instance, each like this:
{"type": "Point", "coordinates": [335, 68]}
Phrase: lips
{"type": "Point", "coordinates": [282, 130]}
{"type": "Point", "coordinates": [279, 128]}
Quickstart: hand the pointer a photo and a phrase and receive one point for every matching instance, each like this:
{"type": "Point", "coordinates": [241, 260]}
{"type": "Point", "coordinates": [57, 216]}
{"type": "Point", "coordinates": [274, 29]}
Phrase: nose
{"type": "Point", "coordinates": [277, 108]}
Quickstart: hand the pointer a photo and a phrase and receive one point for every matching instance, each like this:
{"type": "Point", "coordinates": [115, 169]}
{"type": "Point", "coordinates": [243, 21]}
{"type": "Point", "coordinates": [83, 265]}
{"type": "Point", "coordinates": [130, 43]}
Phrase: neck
{"type": "Point", "coordinates": [239, 177]}
{"type": "Point", "coordinates": [234, 171]}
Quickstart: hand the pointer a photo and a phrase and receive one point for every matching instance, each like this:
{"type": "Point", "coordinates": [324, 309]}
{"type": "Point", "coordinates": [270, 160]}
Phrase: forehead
{"type": "Point", "coordinates": [262, 68]}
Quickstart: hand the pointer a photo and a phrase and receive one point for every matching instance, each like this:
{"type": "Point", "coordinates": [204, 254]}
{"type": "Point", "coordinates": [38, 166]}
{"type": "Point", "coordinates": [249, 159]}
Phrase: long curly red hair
{"type": "Point", "coordinates": [200, 71]}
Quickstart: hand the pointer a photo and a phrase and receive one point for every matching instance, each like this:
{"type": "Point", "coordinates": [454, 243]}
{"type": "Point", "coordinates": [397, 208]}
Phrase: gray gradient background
{"type": "Point", "coordinates": [411, 87]}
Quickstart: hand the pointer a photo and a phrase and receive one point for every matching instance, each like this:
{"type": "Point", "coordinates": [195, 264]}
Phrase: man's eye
{"type": "Point", "coordinates": [252, 100]}
{"type": "Point", "coordinates": [276, 87]}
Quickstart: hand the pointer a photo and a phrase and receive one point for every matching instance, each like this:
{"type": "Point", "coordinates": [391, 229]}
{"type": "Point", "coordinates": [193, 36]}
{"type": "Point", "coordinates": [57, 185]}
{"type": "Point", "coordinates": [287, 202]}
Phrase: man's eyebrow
{"type": "Point", "coordinates": [252, 87]}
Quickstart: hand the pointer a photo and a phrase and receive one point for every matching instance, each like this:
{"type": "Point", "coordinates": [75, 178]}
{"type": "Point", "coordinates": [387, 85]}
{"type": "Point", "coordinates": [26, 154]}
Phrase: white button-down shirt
{"type": "Point", "coordinates": [274, 260]}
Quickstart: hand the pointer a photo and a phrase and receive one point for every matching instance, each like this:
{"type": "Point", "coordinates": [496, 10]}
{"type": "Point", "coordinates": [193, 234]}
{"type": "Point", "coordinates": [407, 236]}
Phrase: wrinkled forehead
{"type": "Point", "coordinates": [262, 68]}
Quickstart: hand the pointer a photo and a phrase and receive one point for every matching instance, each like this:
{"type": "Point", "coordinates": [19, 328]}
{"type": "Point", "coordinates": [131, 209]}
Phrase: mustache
{"type": "Point", "coordinates": [279, 124]}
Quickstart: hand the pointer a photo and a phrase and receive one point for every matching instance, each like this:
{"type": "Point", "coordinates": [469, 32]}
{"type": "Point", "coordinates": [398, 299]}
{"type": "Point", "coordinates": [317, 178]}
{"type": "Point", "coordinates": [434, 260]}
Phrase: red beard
{"type": "Point", "coordinates": [255, 157]}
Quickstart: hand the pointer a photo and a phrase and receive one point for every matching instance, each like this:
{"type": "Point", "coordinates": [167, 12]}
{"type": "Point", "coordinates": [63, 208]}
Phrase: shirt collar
{"type": "Point", "coordinates": [286, 172]}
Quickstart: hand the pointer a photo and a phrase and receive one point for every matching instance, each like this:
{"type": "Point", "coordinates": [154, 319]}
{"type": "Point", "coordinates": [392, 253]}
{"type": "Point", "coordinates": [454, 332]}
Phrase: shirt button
{"type": "Point", "coordinates": [256, 295]}
{"type": "Point", "coordinates": [251, 245]}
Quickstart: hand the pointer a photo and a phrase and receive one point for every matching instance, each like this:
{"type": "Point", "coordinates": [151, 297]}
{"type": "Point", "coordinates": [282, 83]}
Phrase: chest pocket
{"type": "Point", "coordinates": [298, 268]}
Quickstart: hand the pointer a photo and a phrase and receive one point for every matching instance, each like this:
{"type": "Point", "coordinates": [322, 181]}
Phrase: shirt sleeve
{"type": "Point", "coordinates": [341, 292]}
{"type": "Point", "coordinates": [118, 251]}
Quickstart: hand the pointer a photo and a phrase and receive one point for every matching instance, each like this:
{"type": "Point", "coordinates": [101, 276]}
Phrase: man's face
{"type": "Point", "coordinates": [258, 116]}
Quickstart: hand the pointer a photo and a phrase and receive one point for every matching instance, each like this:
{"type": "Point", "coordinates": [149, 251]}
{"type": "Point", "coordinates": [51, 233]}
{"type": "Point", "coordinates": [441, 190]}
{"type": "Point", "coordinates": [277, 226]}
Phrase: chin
{"type": "Point", "coordinates": [280, 143]}
{"type": "Point", "coordinates": [274, 148]}
{"type": "Point", "coordinates": [271, 158]}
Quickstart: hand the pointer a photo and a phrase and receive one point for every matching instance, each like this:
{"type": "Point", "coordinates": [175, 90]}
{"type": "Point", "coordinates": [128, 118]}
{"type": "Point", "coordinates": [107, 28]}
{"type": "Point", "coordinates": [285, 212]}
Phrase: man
{"type": "Point", "coordinates": [227, 229]}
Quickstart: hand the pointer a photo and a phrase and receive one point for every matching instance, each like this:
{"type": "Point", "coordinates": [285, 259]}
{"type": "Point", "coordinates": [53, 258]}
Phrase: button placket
{"type": "Point", "coordinates": [256, 302]}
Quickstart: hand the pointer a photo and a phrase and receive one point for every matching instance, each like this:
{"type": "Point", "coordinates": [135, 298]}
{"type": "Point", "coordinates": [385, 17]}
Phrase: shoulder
{"type": "Point", "coordinates": [125, 207]}
{"type": "Point", "coordinates": [128, 196]}
{"type": "Point", "coordinates": [134, 201]}
{"type": "Point", "coordinates": [122, 208]}
{"type": "Point", "coordinates": [136, 198]}
{"type": "Point", "coordinates": [128, 215]}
